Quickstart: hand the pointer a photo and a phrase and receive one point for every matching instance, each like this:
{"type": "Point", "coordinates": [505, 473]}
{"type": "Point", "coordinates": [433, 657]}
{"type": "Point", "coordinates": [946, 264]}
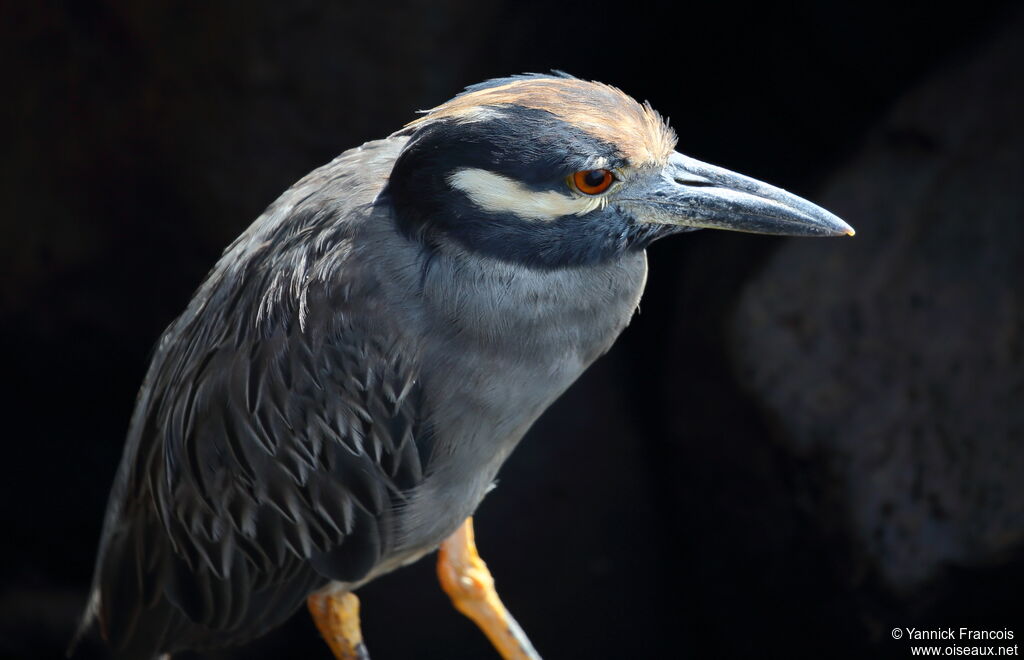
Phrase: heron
{"type": "Point", "coordinates": [343, 388]}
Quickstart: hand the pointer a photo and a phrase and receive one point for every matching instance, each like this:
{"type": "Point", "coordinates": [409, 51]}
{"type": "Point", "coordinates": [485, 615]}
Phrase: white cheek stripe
{"type": "Point", "coordinates": [499, 194]}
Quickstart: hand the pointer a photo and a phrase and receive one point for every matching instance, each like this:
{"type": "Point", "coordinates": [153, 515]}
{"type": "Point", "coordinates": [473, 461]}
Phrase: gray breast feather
{"type": "Point", "coordinates": [501, 343]}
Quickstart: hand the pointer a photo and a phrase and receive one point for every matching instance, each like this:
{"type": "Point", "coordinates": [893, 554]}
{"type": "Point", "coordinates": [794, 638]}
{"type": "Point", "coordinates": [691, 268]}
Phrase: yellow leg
{"type": "Point", "coordinates": [337, 618]}
{"type": "Point", "coordinates": [469, 584]}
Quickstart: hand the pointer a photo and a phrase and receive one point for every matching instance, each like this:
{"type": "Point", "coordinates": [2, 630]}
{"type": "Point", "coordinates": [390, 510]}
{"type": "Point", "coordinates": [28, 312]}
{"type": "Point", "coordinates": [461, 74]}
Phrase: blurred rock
{"type": "Point", "coordinates": [897, 357]}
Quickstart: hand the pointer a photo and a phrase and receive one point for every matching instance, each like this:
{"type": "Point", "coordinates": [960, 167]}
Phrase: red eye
{"type": "Point", "coordinates": [592, 182]}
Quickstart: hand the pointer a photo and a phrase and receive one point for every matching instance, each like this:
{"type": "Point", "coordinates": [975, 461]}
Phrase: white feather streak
{"type": "Point", "coordinates": [499, 194]}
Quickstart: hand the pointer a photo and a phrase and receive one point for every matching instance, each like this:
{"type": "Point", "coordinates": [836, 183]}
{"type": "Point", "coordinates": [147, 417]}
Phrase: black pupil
{"type": "Point", "coordinates": [594, 178]}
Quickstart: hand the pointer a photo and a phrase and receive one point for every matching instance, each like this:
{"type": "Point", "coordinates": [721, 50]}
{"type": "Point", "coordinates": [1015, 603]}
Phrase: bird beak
{"type": "Point", "coordinates": [689, 193]}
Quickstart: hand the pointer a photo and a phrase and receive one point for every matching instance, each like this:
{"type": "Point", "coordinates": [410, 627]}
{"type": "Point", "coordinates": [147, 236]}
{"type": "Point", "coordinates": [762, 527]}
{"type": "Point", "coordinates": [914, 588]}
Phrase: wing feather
{"type": "Point", "coordinates": [274, 436]}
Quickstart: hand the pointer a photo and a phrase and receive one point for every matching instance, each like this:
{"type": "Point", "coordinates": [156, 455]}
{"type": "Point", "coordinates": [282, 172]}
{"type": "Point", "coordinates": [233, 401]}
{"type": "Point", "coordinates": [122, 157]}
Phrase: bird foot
{"type": "Point", "coordinates": [337, 618]}
{"type": "Point", "coordinates": [466, 580]}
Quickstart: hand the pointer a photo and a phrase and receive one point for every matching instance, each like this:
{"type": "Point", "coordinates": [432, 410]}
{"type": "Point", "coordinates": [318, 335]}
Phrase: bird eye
{"type": "Point", "coordinates": [592, 182]}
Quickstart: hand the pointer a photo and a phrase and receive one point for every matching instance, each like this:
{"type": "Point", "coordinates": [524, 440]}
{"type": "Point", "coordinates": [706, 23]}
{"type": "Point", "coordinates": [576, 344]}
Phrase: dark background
{"type": "Point", "coordinates": [670, 505]}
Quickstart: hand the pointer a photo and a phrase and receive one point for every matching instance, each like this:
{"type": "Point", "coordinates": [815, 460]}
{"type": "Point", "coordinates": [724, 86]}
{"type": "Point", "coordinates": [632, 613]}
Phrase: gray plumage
{"type": "Point", "coordinates": [343, 388]}
{"type": "Point", "coordinates": [284, 417]}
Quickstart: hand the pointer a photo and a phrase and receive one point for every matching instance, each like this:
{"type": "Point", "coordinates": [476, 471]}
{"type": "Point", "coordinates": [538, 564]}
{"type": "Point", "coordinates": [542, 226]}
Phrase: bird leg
{"type": "Point", "coordinates": [337, 618]}
{"type": "Point", "coordinates": [466, 580]}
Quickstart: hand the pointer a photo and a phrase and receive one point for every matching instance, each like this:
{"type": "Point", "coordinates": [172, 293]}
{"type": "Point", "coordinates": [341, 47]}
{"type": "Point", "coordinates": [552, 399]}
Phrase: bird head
{"type": "Point", "coordinates": [552, 171]}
